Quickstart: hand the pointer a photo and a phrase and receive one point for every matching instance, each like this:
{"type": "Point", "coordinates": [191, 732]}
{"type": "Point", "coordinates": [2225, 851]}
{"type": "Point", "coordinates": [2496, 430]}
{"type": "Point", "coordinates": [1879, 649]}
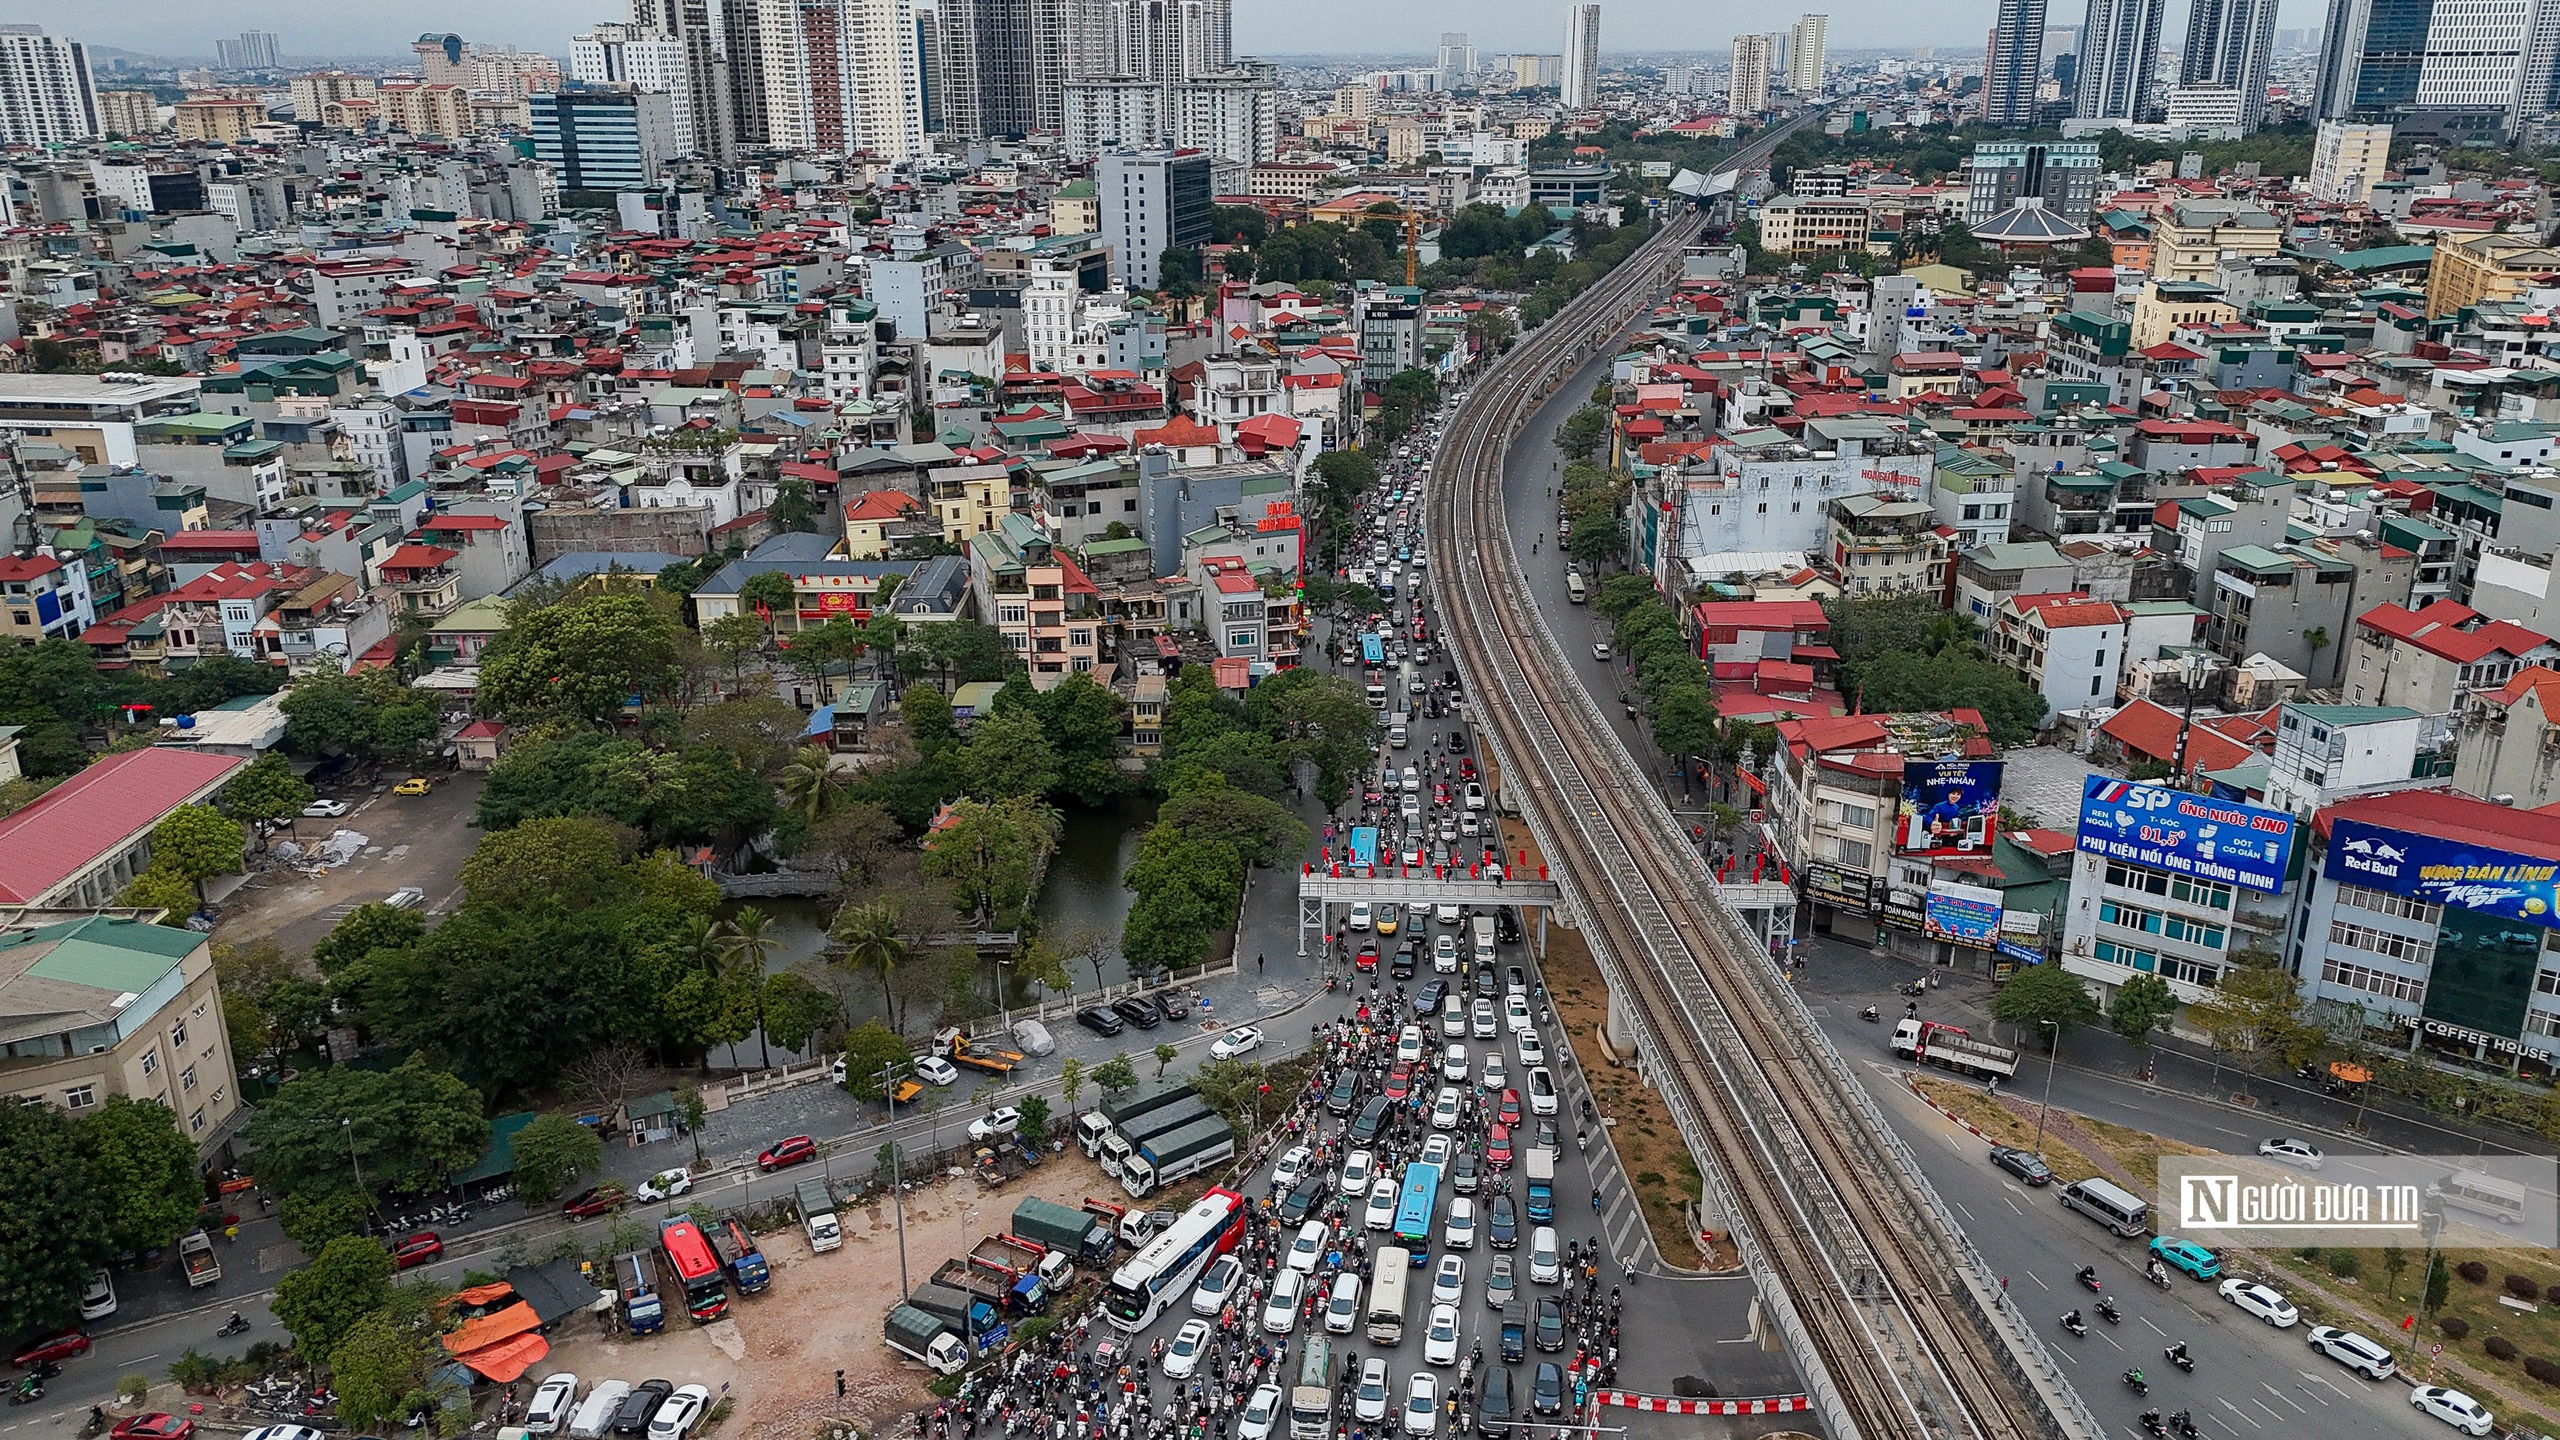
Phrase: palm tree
{"type": "Point", "coordinates": [871, 940]}
{"type": "Point", "coordinates": [810, 786]}
{"type": "Point", "coordinates": [743, 948]}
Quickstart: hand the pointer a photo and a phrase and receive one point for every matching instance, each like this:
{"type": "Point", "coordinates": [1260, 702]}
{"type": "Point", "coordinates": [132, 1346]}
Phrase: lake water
{"type": "Point", "coordinates": [1081, 891]}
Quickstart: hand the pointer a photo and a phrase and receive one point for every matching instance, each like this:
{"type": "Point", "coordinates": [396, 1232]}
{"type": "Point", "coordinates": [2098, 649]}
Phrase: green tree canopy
{"type": "Point", "coordinates": [407, 1128]}
{"type": "Point", "coordinates": [2142, 1004]}
{"type": "Point", "coordinates": [582, 658]}
{"type": "Point", "coordinates": [196, 842]}
{"type": "Point", "coordinates": [321, 1302]}
{"type": "Point", "coordinates": [266, 791]}
{"type": "Point", "coordinates": [992, 852]}
{"type": "Point", "coordinates": [2044, 994]}
{"type": "Point", "coordinates": [54, 1219]}
{"type": "Point", "coordinates": [551, 1153]}
{"type": "Point", "coordinates": [145, 1167]}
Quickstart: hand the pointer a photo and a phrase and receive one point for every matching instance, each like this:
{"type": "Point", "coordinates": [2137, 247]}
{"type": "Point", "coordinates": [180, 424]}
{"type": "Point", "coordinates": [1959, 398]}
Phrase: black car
{"type": "Point", "coordinates": [1502, 1223]}
{"type": "Point", "coordinates": [1099, 1020]}
{"type": "Point", "coordinates": [1372, 1116]}
{"type": "Point", "coordinates": [1302, 1200]}
{"type": "Point", "coordinates": [2021, 1163]}
{"type": "Point", "coordinates": [1546, 1393]}
{"type": "Point", "coordinates": [1515, 1331]}
{"type": "Point", "coordinates": [632, 1416]}
{"type": "Point", "coordinates": [1401, 968]}
{"type": "Point", "coordinates": [1426, 1001]}
{"type": "Point", "coordinates": [1506, 925]}
{"type": "Point", "coordinates": [1139, 1012]}
{"type": "Point", "coordinates": [1550, 1323]}
{"type": "Point", "coordinates": [1485, 982]}
{"type": "Point", "coordinates": [1346, 1088]}
{"type": "Point", "coordinates": [1493, 1412]}
{"type": "Point", "coordinates": [1176, 1004]}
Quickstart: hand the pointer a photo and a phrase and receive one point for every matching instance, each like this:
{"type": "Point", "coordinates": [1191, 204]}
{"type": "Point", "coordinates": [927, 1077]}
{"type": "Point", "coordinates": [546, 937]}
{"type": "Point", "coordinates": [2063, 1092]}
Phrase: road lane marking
{"type": "Point", "coordinates": [2270, 1409]}
{"type": "Point", "coordinates": [1968, 1214]}
{"type": "Point", "coordinates": [2236, 1410]}
{"type": "Point", "coordinates": [2289, 1400]}
{"type": "Point", "coordinates": [2013, 1204]}
{"type": "Point", "coordinates": [2030, 1274]}
{"type": "Point", "coordinates": [2156, 1330]}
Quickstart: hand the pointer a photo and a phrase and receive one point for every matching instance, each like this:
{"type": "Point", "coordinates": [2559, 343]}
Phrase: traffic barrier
{"type": "Point", "coordinates": [1767, 1405]}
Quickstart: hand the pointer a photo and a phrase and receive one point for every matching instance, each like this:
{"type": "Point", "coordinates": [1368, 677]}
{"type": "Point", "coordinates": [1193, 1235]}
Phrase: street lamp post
{"type": "Point", "coordinates": [897, 1184]}
{"type": "Point", "coordinates": [2050, 1057]}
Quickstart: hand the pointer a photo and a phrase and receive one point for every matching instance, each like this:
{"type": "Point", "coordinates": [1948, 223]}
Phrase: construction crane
{"type": "Point", "coordinates": [1411, 219]}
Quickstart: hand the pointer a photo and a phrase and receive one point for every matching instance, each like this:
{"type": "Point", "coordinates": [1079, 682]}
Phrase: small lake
{"type": "Point", "coordinates": [1081, 891]}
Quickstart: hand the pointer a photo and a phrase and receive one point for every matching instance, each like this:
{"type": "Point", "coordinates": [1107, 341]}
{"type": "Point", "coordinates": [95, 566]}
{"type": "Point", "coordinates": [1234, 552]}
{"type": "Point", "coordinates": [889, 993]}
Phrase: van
{"type": "Point", "coordinates": [1377, 695]}
{"type": "Point", "coordinates": [1396, 737]}
{"type": "Point", "coordinates": [1484, 939]}
{"type": "Point", "coordinates": [1493, 1412]}
{"type": "Point", "coordinates": [2123, 1213]}
{"type": "Point", "coordinates": [595, 1413]}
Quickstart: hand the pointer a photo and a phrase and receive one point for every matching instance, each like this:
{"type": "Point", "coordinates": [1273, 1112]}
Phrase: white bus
{"type": "Point", "coordinates": [1173, 1260]}
{"type": "Point", "coordinates": [2500, 1200]}
{"type": "Point", "coordinates": [1386, 1294]}
{"type": "Point", "coordinates": [1573, 588]}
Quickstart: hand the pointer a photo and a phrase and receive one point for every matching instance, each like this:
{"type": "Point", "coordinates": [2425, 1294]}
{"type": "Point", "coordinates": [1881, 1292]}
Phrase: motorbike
{"type": "Point", "coordinates": [2179, 1357]}
{"type": "Point", "coordinates": [2133, 1378]}
{"type": "Point", "coordinates": [1869, 1015]}
{"type": "Point", "coordinates": [2151, 1422]}
{"type": "Point", "coordinates": [2184, 1424]}
{"type": "Point", "coordinates": [2159, 1274]}
{"type": "Point", "coordinates": [28, 1391]}
{"type": "Point", "coordinates": [2073, 1323]}
{"type": "Point", "coordinates": [238, 1324]}
{"type": "Point", "coordinates": [2107, 1310]}
{"type": "Point", "coordinates": [2088, 1278]}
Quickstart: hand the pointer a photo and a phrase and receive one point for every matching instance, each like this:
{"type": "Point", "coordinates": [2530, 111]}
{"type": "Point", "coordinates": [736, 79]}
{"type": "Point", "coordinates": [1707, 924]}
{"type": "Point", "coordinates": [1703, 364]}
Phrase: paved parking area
{"type": "Point", "coordinates": [418, 840]}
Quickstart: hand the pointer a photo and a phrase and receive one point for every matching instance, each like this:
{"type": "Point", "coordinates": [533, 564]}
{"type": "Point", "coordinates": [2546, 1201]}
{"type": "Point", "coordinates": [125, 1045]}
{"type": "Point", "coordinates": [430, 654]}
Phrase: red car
{"type": "Point", "coordinates": [54, 1345]}
{"type": "Point", "coordinates": [587, 1203]}
{"type": "Point", "coordinates": [1497, 1147]}
{"type": "Point", "coordinates": [1508, 1109]}
{"type": "Point", "coordinates": [1367, 961]}
{"type": "Point", "coordinates": [1399, 1082]}
{"type": "Point", "coordinates": [416, 1249]}
{"type": "Point", "coordinates": [1466, 767]}
{"type": "Point", "coordinates": [154, 1427]}
{"type": "Point", "coordinates": [797, 1150]}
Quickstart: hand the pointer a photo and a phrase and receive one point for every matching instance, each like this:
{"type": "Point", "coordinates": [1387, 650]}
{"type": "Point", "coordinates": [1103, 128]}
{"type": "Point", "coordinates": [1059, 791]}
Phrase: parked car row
{"type": "Point", "coordinates": [1145, 1011]}
{"type": "Point", "coordinates": [656, 1409]}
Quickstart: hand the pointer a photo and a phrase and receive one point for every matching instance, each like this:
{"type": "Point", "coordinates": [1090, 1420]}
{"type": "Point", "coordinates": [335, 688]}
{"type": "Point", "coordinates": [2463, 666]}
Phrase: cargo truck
{"type": "Point", "coordinates": [919, 1335]}
{"type": "Point", "coordinates": [1124, 1139]}
{"type": "Point", "coordinates": [635, 1281]}
{"type": "Point", "coordinates": [972, 1319]}
{"type": "Point", "coordinates": [1540, 1168]}
{"type": "Point", "coordinates": [1949, 1047]}
{"type": "Point", "coordinates": [1118, 1110]}
{"type": "Point", "coordinates": [1011, 1293]}
{"type": "Point", "coordinates": [745, 1259]}
{"type": "Point", "coordinates": [1185, 1152]}
{"type": "Point", "coordinates": [818, 1215]}
{"type": "Point", "coordinates": [1017, 1255]}
{"type": "Point", "coordinates": [1076, 1232]}
{"type": "Point", "coordinates": [196, 1253]}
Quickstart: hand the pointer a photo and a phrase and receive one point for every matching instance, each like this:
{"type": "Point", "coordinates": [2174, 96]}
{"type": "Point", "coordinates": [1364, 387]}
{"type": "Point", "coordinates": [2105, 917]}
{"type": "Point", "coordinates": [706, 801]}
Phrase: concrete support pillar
{"type": "Point", "coordinates": [1621, 1034]}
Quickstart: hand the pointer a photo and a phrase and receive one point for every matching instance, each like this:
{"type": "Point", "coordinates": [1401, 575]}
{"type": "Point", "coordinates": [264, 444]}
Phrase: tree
{"type": "Point", "coordinates": [2439, 1286]}
{"type": "Point", "coordinates": [796, 1012]}
{"type": "Point", "coordinates": [2255, 1009]}
{"type": "Point", "coordinates": [872, 941]}
{"type": "Point", "coordinates": [793, 509]}
{"type": "Point", "coordinates": [1684, 723]}
{"type": "Point", "coordinates": [1582, 432]}
{"type": "Point", "coordinates": [744, 947]}
{"type": "Point", "coordinates": [313, 1220]}
{"type": "Point", "coordinates": [146, 1169]}
{"type": "Point", "coordinates": [554, 861]}
{"type": "Point", "coordinates": [2394, 1261]}
{"type": "Point", "coordinates": [377, 1366]}
{"type": "Point", "coordinates": [2143, 1003]}
{"type": "Point", "coordinates": [759, 732]}
{"type": "Point", "coordinates": [1008, 754]}
{"type": "Point", "coordinates": [55, 1229]}
{"type": "Point", "coordinates": [1263, 832]}
{"type": "Point", "coordinates": [349, 1279]}
{"type": "Point", "coordinates": [927, 713]}
{"type": "Point", "coordinates": [1116, 1074]}
{"type": "Point", "coordinates": [195, 842]}
{"type": "Point", "coordinates": [992, 852]}
{"type": "Point", "coordinates": [734, 639]}
{"type": "Point", "coordinates": [1165, 1055]}
{"type": "Point", "coordinates": [365, 713]}
{"type": "Point", "coordinates": [265, 792]}
{"type": "Point", "coordinates": [552, 1152]}
{"type": "Point", "coordinates": [1035, 1116]}
{"type": "Point", "coordinates": [870, 1052]}
{"type": "Point", "coordinates": [1039, 963]}
{"type": "Point", "coordinates": [2045, 994]}
{"type": "Point", "coordinates": [1071, 1081]}
{"type": "Point", "coordinates": [406, 1129]}
{"type": "Point", "coordinates": [161, 888]}
{"type": "Point", "coordinates": [581, 659]}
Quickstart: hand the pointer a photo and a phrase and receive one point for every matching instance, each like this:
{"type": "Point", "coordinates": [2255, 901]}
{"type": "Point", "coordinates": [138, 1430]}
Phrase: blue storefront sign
{"type": "Point", "coordinates": [2444, 872]}
{"type": "Point", "coordinates": [2023, 954]}
{"type": "Point", "coordinates": [1949, 807]}
{"type": "Point", "coordinates": [2183, 834]}
{"type": "Point", "coordinates": [1962, 914]}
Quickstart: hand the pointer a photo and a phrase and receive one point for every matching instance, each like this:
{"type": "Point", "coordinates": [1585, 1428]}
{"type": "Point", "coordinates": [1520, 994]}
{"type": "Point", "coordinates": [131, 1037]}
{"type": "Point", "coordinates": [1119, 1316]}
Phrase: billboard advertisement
{"type": "Point", "coordinates": [1963, 914]}
{"type": "Point", "coordinates": [2444, 872]}
{"type": "Point", "coordinates": [2185, 834]}
{"type": "Point", "coordinates": [1949, 807]}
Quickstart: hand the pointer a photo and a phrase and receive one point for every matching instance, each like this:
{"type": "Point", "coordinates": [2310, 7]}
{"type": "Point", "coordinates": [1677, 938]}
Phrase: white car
{"type": "Point", "coordinates": [1546, 1263]}
{"type": "Point", "coordinates": [1410, 808]}
{"type": "Point", "coordinates": [1498, 1290]}
{"type": "Point", "coordinates": [1542, 1091]}
{"type": "Point", "coordinates": [1409, 1045]}
{"type": "Point", "coordinates": [1033, 1037]}
{"type": "Point", "coordinates": [1358, 1169]}
{"type": "Point", "coordinates": [1218, 1285]}
{"type": "Point", "coordinates": [680, 1412]}
{"type": "Point", "coordinates": [1533, 1051]}
{"type": "Point", "coordinates": [996, 1124]}
{"type": "Point", "coordinates": [1449, 1280]}
{"type": "Point", "coordinates": [98, 1298]}
{"type": "Point", "coordinates": [1515, 1013]}
{"type": "Point", "coordinates": [1413, 781]}
{"type": "Point", "coordinates": [1291, 1167]}
{"type": "Point", "coordinates": [1307, 1251]}
{"type": "Point", "coordinates": [1189, 1342]}
{"type": "Point", "coordinates": [1599, 649]}
{"type": "Point", "coordinates": [2453, 1408]}
{"type": "Point", "coordinates": [1446, 912]}
{"type": "Point", "coordinates": [1260, 1414]}
{"type": "Point", "coordinates": [2260, 1301]}
{"type": "Point", "coordinates": [2364, 1356]}
{"type": "Point", "coordinates": [665, 1185]}
{"type": "Point", "coordinates": [552, 1402]}
{"type": "Point", "coordinates": [1436, 1149]}
{"type": "Point", "coordinates": [1494, 1077]}
{"type": "Point", "coordinates": [1469, 826]}
{"type": "Point", "coordinates": [1444, 955]}
{"type": "Point", "coordinates": [1280, 1310]}
{"type": "Point", "coordinates": [1445, 1108]}
{"type": "Point", "coordinates": [1382, 1204]}
{"type": "Point", "coordinates": [1421, 1404]}
{"type": "Point", "coordinates": [2301, 1154]}
{"type": "Point", "coordinates": [325, 809]}
{"type": "Point", "coordinates": [1453, 1019]}
{"type": "Point", "coordinates": [1453, 1064]}
{"type": "Point", "coordinates": [1242, 1040]}
{"type": "Point", "coordinates": [1369, 1401]}
{"type": "Point", "coordinates": [284, 1432]}
{"type": "Point", "coordinates": [1481, 1019]}
{"type": "Point", "coordinates": [933, 1069]}
{"type": "Point", "coordinates": [1475, 795]}
{"type": "Point", "coordinates": [1440, 1336]}
{"type": "Point", "coordinates": [1360, 908]}
{"type": "Point", "coordinates": [1342, 1311]}
{"type": "Point", "coordinates": [1460, 1233]}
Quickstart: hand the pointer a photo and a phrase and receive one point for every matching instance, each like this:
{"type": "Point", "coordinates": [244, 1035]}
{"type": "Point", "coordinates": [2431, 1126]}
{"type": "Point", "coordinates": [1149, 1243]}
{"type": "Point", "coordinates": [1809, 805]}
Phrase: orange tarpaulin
{"type": "Point", "coordinates": [483, 1294]}
{"type": "Point", "coordinates": [474, 1335]}
{"type": "Point", "coordinates": [506, 1361]}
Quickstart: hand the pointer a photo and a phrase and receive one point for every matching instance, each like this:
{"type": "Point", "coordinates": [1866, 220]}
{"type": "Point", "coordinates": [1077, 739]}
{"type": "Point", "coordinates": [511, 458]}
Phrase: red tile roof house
{"type": "Point", "coordinates": [83, 841]}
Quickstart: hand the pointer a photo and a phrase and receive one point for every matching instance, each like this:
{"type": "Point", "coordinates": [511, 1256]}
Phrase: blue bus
{"type": "Point", "coordinates": [1413, 1211]}
{"type": "Point", "coordinates": [1373, 651]}
{"type": "Point", "coordinates": [1364, 846]}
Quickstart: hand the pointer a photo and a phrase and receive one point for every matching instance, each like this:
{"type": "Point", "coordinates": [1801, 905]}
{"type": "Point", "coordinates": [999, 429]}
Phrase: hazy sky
{"type": "Point", "coordinates": [1274, 27]}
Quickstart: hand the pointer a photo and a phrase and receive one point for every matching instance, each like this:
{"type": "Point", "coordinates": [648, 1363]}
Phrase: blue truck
{"type": "Point", "coordinates": [745, 1261]}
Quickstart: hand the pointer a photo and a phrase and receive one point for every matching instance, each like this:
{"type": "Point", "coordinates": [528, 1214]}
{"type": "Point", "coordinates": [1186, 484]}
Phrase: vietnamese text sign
{"type": "Point", "coordinates": [2164, 829]}
{"type": "Point", "coordinates": [2444, 872]}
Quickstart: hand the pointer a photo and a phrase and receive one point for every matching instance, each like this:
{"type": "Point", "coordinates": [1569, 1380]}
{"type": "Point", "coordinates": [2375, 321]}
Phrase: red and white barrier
{"type": "Point", "coordinates": [1769, 1405]}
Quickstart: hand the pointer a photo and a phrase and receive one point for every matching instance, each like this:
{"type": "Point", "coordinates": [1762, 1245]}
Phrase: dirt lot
{"type": "Point", "coordinates": [778, 1354]}
{"type": "Point", "coordinates": [418, 840]}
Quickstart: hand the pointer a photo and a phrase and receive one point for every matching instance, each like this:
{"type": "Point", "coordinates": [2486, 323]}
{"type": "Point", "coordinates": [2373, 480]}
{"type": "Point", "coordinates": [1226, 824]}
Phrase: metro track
{"type": "Point", "coordinates": [1861, 1270]}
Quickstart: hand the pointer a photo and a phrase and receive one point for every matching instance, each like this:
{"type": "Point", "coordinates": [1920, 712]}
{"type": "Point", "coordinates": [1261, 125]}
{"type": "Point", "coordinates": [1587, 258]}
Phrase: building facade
{"type": "Point", "coordinates": [46, 93]}
{"type": "Point", "coordinates": [2230, 43]}
{"type": "Point", "coordinates": [1805, 58]}
{"type": "Point", "coordinates": [2119, 54]}
{"type": "Point", "coordinates": [599, 139]}
{"type": "Point", "coordinates": [102, 1005]}
{"type": "Point", "coordinates": [2063, 175]}
{"type": "Point", "coordinates": [1581, 79]}
{"type": "Point", "coordinates": [1752, 57]}
{"type": "Point", "coordinates": [2347, 160]}
{"type": "Point", "coordinates": [2013, 64]}
{"type": "Point", "coordinates": [1152, 201]}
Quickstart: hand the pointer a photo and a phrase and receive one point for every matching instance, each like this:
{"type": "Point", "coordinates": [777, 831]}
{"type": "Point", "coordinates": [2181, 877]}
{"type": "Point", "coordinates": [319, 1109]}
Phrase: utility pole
{"type": "Point", "coordinates": [2050, 1057]}
{"type": "Point", "coordinates": [897, 1185]}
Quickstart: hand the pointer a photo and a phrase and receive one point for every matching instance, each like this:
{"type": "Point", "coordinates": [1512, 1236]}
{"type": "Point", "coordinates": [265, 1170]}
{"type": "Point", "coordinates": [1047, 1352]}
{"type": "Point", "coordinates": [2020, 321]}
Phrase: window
{"type": "Point", "coordinates": [2374, 982]}
{"type": "Point", "coordinates": [1854, 817]}
{"type": "Point", "coordinates": [1853, 853]}
{"type": "Point", "coordinates": [178, 1035]}
{"type": "Point", "coordinates": [2382, 942]}
{"type": "Point", "coordinates": [80, 1097]}
{"type": "Point", "coordinates": [195, 1122]}
{"type": "Point", "coordinates": [151, 1062]}
{"type": "Point", "coordinates": [187, 1078]}
{"type": "Point", "coordinates": [2383, 902]}
{"type": "Point", "coordinates": [2129, 917]}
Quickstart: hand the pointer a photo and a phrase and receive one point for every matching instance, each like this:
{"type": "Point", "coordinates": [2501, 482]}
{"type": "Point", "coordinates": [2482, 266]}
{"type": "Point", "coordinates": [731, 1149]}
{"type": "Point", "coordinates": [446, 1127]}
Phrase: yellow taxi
{"type": "Point", "coordinates": [414, 785]}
